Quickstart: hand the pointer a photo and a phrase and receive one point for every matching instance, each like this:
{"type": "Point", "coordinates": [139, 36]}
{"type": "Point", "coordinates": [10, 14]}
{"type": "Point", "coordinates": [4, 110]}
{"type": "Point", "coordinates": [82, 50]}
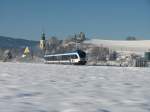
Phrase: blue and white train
{"type": "Point", "coordinates": [77, 57]}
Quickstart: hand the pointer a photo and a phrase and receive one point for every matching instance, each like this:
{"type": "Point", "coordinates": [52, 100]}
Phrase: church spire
{"type": "Point", "coordinates": [43, 36]}
{"type": "Point", "coordinates": [43, 42]}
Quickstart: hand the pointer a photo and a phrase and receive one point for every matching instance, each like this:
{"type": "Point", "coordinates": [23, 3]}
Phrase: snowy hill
{"type": "Point", "coordinates": [65, 88]}
{"type": "Point", "coordinates": [122, 45]}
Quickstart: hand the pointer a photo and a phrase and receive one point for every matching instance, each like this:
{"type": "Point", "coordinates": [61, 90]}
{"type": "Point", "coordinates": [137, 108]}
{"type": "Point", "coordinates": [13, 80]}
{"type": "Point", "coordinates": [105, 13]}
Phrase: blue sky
{"type": "Point", "coordinates": [105, 19]}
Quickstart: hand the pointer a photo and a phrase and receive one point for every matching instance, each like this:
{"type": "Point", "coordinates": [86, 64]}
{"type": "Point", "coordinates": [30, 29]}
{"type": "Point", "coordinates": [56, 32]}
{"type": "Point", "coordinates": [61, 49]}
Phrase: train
{"type": "Point", "coordinates": [77, 57]}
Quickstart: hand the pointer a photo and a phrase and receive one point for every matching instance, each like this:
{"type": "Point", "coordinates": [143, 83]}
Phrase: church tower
{"type": "Point", "coordinates": [43, 42]}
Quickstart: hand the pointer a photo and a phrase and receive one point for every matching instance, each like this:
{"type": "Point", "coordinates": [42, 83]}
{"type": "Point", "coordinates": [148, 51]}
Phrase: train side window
{"type": "Point", "coordinates": [46, 58]}
{"type": "Point", "coordinates": [74, 56]}
{"type": "Point", "coordinates": [50, 58]}
{"type": "Point", "coordinates": [55, 57]}
{"type": "Point", "coordinates": [67, 57]}
{"type": "Point", "coordinates": [59, 58]}
{"type": "Point", "coordinates": [62, 57]}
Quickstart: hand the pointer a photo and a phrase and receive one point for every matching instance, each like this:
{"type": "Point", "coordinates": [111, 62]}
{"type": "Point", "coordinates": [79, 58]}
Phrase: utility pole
{"type": "Point", "coordinates": [76, 41]}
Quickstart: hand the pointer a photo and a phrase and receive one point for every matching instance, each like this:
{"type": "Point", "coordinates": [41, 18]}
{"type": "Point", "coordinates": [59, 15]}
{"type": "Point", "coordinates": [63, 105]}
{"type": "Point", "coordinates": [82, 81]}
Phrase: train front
{"type": "Point", "coordinates": [82, 57]}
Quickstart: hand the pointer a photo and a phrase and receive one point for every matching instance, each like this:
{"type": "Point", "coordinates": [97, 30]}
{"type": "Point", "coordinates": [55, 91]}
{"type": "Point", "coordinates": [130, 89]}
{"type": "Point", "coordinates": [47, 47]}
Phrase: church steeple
{"type": "Point", "coordinates": [43, 42]}
{"type": "Point", "coordinates": [43, 36]}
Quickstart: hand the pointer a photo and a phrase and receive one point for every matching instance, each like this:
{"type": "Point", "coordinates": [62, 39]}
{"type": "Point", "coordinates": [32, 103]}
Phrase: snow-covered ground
{"type": "Point", "coordinates": [67, 88]}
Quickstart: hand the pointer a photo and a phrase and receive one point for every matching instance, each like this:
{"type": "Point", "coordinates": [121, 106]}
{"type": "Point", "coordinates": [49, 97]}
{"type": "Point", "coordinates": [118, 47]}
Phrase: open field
{"type": "Point", "coordinates": [28, 87]}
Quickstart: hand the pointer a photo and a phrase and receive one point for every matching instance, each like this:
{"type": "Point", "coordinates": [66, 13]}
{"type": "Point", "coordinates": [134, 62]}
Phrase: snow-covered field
{"type": "Point", "coordinates": [66, 88]}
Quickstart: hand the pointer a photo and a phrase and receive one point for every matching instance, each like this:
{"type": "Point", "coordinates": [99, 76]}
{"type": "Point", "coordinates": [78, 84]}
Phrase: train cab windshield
{"type": "Point", "coordinates": [81, 54]}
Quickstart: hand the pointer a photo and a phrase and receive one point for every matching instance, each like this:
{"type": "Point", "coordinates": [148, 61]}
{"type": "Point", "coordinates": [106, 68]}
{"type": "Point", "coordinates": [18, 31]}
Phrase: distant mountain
{"type": "Point", "coordinates": [8, 42]}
